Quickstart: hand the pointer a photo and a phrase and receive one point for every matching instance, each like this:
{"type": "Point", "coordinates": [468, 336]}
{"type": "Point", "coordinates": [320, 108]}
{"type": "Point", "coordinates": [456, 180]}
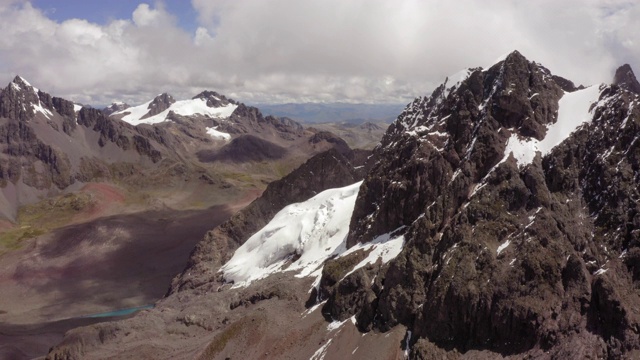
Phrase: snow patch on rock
{"type": "Point", "coordinates": [456, 79]}
{"type": "Point", "coordinates": [44, 111]}
{"type": "Point", "coordinates": [321, 352]}
{"type": "Point", "coordinates": [574, 110]}
{"type": "Point", "coordinates": [218, 135]}
{"type": "Point", "coordinates": [335, 325]}
{"type": "Point", "coordinates": [385, 247]}
{"type": "Point", "coordinates": [503, 246]}
{"type": "Point", "coordinates": [302, 236]}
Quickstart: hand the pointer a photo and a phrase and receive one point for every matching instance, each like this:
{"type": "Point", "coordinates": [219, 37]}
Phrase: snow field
{"type": "Point", "coordinates": [182, 107]}
{"type": "Point", "coordinates": [573, 111]}
{"type": "Point", "coordinates": [312, 230]}
{"type": "Point", "coordinates": [302, 236]}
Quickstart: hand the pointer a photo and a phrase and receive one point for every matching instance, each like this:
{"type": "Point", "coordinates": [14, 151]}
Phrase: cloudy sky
{"type": "Point", "coordinates": [278, 51]}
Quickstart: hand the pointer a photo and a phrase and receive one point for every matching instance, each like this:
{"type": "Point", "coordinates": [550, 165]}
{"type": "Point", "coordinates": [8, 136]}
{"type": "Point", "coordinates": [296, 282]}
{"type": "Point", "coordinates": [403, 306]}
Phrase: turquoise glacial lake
{"type": "Point", "coordinates": [119, 312]}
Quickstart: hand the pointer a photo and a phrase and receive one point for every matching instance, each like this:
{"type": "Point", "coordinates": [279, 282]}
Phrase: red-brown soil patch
{"type": "Point", "coordinates": [6, 225]}
{"type": "Point", "coordinates": [105, 198]}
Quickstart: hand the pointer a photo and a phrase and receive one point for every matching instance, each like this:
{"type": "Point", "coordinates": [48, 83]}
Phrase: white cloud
{"type": "Point", "coordinates": [329, 50]}
{"type": "Point", "coordinates": [144, 15]}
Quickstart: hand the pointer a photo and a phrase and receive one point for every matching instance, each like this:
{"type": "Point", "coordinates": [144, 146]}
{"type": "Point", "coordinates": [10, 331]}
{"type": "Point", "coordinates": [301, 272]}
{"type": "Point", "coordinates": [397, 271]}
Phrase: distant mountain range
{"type": "Point", "coordinates": [49, 143]}
{"type": "Point", "coordinates": [334, 112]}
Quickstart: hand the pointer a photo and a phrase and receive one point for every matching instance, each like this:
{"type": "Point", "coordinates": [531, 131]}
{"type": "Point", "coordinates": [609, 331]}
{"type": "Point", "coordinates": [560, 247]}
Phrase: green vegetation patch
{"type": "Point", "coordinates": [44, 216]}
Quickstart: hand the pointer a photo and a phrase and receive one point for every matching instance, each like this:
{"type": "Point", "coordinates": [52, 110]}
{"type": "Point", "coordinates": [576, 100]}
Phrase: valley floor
{"type": "Point", "coordinates": [52, 282]}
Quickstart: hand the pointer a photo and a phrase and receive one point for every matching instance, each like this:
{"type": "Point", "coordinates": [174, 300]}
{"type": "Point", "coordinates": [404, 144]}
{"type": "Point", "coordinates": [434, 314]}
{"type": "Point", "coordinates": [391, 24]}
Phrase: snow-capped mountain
{"type": "Point", "coordinates": [499, 216]}
{"type": "Point", "coordinates": [205, 104]}
{"type": "Point", "coordinates": [52, 143]}
{"type": "Point", "coordinates": [47, 140]}
{"type": "Point", "coordinates": [249, 135]}
{"type": "Point", "coordinates": [26, 100]}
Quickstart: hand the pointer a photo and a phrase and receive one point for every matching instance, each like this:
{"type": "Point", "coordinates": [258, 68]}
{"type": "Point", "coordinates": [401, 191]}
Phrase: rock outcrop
{"type": "Point", "coordinates": [159, 104]}
{"type": "Point", "coordinates": [115, 107]}
{"type": "Point", "coordinates": [626, 79]}
{"type": "Point", "coordinates": [214, 99]}
{"type": "Point", "coordinates": [249, 120]}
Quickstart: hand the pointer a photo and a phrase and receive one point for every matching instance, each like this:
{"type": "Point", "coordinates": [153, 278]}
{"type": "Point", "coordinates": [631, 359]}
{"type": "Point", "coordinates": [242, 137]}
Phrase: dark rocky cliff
{"type": "Point", "coordinates": [159, 104]}
{"type": "Point", "coordinates": [539, 259]}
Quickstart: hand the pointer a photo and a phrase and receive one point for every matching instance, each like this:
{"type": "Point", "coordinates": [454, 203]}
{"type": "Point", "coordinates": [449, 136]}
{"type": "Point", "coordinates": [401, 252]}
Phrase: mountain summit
{"type": "Point", "coordinates": [625, 78]}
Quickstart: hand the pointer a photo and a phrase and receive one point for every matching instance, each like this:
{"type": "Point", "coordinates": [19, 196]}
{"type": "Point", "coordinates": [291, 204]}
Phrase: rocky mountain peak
{"type": "Point", "coordinates": [625, 78]}
{"type": "Point", "coordinates": [20, 101]}
{"type": "Point", "coordinates": [508, 94]}
{"type": "Point", "coordinates": [369, 126]}
{"type": "Point", "coordinates": [215, 99]}
{"type": "Point", "coordinates": [20, 82]}
{"type": "Point", "coordinates": [478, 176]}
{"type": "Point", "coordinates": [21, 87]}
{"type": "Point", "coordinates": [162, 100]}
{"type": "Point", "coordinates": [159, 104]}
{"type": "Point", "coordinates": [115, 107]}
{"type": "Point", "coordinates": [515, 57]}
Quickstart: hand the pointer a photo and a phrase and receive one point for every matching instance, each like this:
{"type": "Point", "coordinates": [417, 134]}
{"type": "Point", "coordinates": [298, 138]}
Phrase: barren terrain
{"type": "Point", "coordinates": [99, 263]}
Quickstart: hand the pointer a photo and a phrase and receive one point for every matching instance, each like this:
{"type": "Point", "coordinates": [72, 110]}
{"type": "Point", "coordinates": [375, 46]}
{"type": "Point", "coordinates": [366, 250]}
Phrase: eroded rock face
{"type": "Point", "coordinates": [461, 128]}
{"type": "Point", "coordinates": [248, 119]}
{"type": "Point", "coordinates": [17, 93]}
{"type": "Point", "coordinates": [159, 104]}
{"type": "Point", "coordinates": [25, 156]}
{"type": "Point", "coordinates": [498, 256]}
{"type": "Point", "coordinates": [115, 107]}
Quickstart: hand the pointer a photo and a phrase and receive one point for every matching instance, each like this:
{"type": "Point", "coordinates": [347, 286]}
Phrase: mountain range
{"type": "Point", "coordinates": [498, 217]}
{"type": "Point", "coordinates": [334, 112]}
{"type": "Point", "coordinates": [104, 206]}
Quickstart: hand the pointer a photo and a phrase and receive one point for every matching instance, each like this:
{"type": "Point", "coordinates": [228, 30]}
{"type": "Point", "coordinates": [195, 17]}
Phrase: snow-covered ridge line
{"type": "Point", "coordinates": [189, 107]}
{"type": "Point", "coordinates": [313, 231]}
